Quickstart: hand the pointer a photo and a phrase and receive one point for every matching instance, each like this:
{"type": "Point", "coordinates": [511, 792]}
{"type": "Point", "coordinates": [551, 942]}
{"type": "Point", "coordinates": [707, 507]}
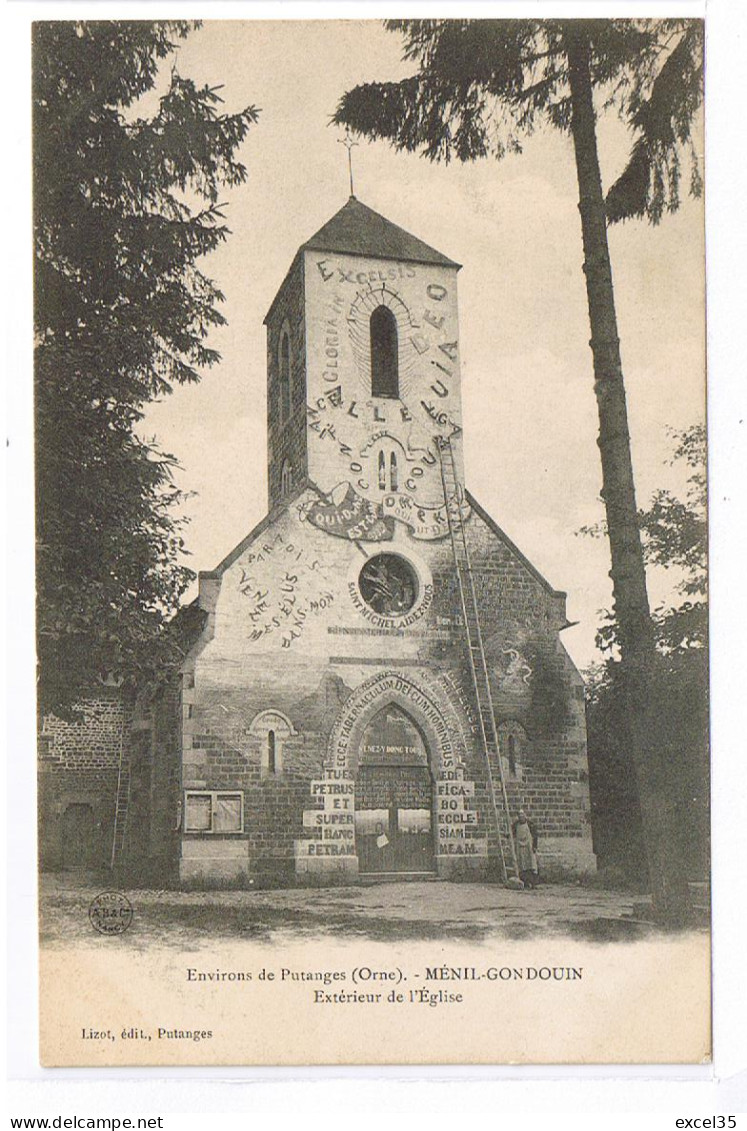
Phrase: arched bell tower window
{"type": "Point", "coordinates": [384, 354]}
{"type": "Point", "coordinates": [388, 470]}
{"type": "Point", "coordinates": [284, 374]}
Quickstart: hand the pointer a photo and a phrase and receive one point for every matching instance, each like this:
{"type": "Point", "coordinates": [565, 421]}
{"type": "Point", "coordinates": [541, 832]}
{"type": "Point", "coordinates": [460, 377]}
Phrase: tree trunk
{"type": "Point", "coordinates": [662, 836]}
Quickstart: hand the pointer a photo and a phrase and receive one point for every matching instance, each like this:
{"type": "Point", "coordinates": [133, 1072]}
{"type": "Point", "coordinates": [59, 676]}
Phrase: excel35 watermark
{"type": "Point", "coordinates": [709, 1121]}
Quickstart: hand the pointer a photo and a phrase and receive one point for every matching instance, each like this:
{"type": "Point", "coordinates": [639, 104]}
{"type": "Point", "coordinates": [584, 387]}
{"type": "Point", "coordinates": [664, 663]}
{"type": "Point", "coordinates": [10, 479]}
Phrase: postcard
{"type": "Point", "coordinates": [371, 542]}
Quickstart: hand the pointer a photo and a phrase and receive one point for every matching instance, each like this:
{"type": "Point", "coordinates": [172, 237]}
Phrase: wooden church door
{"type": "Point", "coordinates": [394, 798]}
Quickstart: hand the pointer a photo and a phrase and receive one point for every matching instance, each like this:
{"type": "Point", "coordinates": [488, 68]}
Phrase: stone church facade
{"type": "Point", "coordinates": [329, 722]}
{"type": "Point", "coordinates": [327, 725]}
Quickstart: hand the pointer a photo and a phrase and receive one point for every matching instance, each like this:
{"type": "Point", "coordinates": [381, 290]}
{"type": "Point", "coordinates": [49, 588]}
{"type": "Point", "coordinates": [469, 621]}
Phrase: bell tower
{"type": "Point", "coordinates": [363, 365]}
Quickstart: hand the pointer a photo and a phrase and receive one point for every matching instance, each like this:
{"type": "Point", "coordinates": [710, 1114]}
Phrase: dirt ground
{"type": "Point", "coordinates": [431, 910]}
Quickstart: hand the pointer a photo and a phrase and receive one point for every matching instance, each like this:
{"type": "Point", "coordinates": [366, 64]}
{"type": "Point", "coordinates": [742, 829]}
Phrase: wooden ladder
{"type": "Point", "coordinates": [453, 500]}
{"type": "Point", "coordinates": [122, 806]}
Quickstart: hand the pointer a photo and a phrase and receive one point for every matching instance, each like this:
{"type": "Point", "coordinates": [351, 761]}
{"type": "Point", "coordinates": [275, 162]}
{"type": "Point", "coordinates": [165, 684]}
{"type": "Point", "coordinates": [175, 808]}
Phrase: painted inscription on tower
{"type": "Point", "coordinates": [383, 386]}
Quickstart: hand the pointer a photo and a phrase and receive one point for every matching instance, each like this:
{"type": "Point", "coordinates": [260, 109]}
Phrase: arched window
{"type": "Point", "coordinates": [388, 468]}
{"type": "Point", "coordinates": [512, 740]}
{"type": "Point", "coordinates": [284, 373]}
{"type": "Point", "coordinates": [384, 353]}
{"type": "Point", "coordinates": [286, 479]}
{"type": "Point", "coordinates": [273, 729]}
{"type": "Point", "coordinates": [512, 755]}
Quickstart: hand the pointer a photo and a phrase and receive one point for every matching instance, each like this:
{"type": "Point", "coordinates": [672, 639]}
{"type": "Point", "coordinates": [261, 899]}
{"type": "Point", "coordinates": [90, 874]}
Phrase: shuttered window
{"type": "Point", "coordinates": [213, 812]}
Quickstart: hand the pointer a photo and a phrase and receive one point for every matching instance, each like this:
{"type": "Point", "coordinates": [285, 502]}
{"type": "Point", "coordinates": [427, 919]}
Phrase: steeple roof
{"type": "Point", "coordinates": [358, 230]}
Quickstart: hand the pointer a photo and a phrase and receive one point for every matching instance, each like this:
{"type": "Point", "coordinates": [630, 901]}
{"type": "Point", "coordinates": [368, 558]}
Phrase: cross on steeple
{"type": "Point", "coordinates": [348, 142]}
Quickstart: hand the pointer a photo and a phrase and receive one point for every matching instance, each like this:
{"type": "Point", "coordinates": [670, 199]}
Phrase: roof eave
{"type": "Point", "coordinates": [280, 289]}
{"type": "Point", "coordinates": [444, 262]}
{"type": "Point", "coordinates": [263, 523]}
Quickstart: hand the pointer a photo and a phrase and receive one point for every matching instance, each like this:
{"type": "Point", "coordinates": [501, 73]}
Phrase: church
{"type": "Point", "coordinates": [375, 682]}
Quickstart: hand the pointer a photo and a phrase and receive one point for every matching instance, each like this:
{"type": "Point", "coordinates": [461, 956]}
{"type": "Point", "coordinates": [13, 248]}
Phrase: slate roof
{"type": "Point", "coordinates": [357, 230]}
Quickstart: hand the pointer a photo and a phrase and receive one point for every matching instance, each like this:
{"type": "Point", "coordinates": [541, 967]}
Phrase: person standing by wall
{"type": "Point", "coordinates": [525, 839]}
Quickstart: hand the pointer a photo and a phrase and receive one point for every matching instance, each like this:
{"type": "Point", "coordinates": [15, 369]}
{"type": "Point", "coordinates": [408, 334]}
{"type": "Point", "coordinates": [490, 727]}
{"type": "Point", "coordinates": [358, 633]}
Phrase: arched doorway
{"type": "Point", "coordinates": [394, 797]}
{"type": "Point", "coordinates": [78, 837]}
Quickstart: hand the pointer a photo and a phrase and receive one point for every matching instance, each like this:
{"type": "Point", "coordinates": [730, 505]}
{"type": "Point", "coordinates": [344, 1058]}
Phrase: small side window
{"type": "Point", "coordinates": [512, 755]}
{"type": "Point", "coordinates": [284, 374]}
{"type": "Point", "coordinates": [286, 479]}
{"type": "Point", "coordinates": [273, 729]}
{"type": "Point", "coordinates": [512, 740]}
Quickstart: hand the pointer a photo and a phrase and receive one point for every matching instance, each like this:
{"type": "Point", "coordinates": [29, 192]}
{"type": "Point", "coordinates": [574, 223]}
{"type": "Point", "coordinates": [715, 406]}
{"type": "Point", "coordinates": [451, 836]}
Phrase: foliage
{"type": "Point", "coordinates": [675, 537]}
{"type": "Point", "coordinates": [479, 86]}
{"type": "Point", "coordinates": [125, 206]}
{"type": "Point", "coordinates": [679, 690]}
{"type": "Point", "coordinates": [675, 532]}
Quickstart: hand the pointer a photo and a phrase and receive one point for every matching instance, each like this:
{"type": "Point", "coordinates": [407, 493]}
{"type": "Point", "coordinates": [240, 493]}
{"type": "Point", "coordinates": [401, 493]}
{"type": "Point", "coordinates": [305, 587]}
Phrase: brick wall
{"type": "Point", "coordinates": [79, 761]}
{"type": "Point", "coordinates": [78, 767]}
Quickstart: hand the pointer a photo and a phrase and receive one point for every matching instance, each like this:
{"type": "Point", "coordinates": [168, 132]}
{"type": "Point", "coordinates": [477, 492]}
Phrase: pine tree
{"type": "Point", "coordinates": [125, 207]}
{"type": "Point", "coordinates": [480, 86]}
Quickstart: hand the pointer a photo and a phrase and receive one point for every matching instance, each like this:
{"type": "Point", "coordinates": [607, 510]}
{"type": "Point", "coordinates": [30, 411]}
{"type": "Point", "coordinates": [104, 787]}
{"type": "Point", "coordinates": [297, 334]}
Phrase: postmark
{"type": "Point", "coordinates": [111, 913]}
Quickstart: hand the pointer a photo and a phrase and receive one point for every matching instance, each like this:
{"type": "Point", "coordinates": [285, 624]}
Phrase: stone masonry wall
{"type": "Point", "coordinates": [537, 692]}
{"type": "Point", "coordinates": [78, 765]}
{"type": "Point", "coordinates": [286, 440]}
{"type": "Point", "coordinates": [293, 640]}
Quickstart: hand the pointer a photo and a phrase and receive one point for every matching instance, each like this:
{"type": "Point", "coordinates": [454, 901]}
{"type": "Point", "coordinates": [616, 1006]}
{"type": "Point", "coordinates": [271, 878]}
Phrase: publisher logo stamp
{"type": "Point", "coordinates": [110, 913]}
